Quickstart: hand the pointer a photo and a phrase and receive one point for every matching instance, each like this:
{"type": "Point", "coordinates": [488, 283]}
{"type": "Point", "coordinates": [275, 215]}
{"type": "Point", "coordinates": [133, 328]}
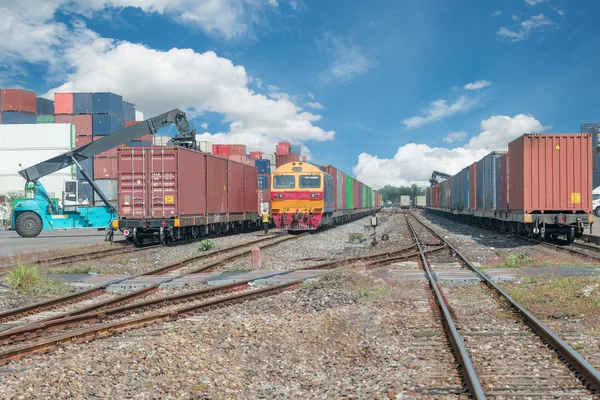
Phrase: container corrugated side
{"type": "Point", "coordinates": [63, 103]}
{"type": "Point", "coordinates": [251, 204]}
{"type": "Point", "coordinates": [263, 166]}
{"type": "Point", "coordinates": [106, 124]}
{"type": "Point", "coordinates": [88, 166]}
{"type": "Point", "coordinates": [107, 103]}
{"type": "Point", "coordinates": [44, 119]}
{"type": "Point", "coordinates": [235, 187]}
{"type": "Point", "coordinates": [83, 124]}
{"type": "Point", "coordinates": [44, 106]}
{"type": "Point", "coordinates": [128, 111]}
{"type": "Point", "coordinates": [17, 117]}
{"type": "Point", "coordinates": [18, 100]}
{"type": "Point", "coordinates": [216, 184]}
{"type": "Point", "coordinates": [109, 187]}
{"type": "Point", "coordinates": [550, 173]}
{"type": "Point", "coordinates": [105, 167]}
{"type": "Point", "coordinates": [82, 103]}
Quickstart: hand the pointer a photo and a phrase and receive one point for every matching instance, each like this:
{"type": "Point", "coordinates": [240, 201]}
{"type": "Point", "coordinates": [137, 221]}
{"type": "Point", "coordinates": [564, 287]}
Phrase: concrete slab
{"type": "Point", "coordinates": [406, 265]}
{"type": "Point", "coordinates": [399, 275]}
{"type": "Point", "coordinates": [277, 279]}
{"type": "Point", "coordinates": [457, 277]}
{"type": "Point", "coordinates": [550, 270]}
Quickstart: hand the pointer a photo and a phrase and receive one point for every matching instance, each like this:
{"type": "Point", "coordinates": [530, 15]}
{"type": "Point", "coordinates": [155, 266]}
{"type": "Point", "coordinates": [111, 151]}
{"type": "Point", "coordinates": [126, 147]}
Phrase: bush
{"type": "Point", "coordinates": [25, 278]}
{"type": "Point", "coordinates": [515, 260]}
{"type": "Point", "coordinates": [206, 245]}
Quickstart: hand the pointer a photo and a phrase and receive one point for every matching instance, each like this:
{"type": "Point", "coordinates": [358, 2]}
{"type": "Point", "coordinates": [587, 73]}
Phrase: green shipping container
{"type": "Point", "coordinates": [364, 196]}
{"type": "Point", "coordinates": [349, 193]}
{"type": "Point", "coordinates": [44, 119]}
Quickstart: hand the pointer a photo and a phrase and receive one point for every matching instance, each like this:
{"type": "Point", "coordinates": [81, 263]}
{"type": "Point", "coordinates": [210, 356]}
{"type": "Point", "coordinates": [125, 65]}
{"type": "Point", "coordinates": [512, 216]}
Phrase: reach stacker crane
{"type": "Point", "coordinates": [31, 216]}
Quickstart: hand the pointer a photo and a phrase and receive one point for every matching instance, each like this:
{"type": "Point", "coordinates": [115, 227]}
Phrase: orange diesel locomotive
{"type": "Point", "coordinates": [306, 197]}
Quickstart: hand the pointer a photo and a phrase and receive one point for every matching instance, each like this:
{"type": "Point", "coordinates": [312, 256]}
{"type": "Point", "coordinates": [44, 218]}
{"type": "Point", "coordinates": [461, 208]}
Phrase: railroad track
{"type": "Point", "coordinates": [116, 301]}
{"type": "Point", "coordinates": [108, 319]}
{"type": "Point", "coordinates": [502, 350]}
{"type": "Point", "coordinates": [62, 260]}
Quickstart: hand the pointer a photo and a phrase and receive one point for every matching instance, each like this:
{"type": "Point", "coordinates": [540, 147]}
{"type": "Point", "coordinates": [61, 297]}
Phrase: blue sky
{"type": "Point", "coordinates": [387, 90]}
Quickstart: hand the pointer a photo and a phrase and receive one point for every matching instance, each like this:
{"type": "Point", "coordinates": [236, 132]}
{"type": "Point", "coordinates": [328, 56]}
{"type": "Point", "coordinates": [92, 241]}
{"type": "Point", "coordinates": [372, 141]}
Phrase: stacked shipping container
{"type": "Point", "coordinates": [18, 106]}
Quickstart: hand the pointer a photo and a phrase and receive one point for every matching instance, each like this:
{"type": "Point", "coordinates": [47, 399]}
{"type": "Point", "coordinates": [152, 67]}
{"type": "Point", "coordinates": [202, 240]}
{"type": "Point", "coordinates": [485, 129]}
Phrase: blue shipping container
{"type": "Point", "coordinates": [128, 111]}
{"type": "Point", "coordinates": [263, 182]}
{"type": "Point", "coordinates": [107, 103]}
{"type": "Point", "coordinates": [105, 124]}
{"type": "Point", "coordinates": [44, 106]}
{"type": "Point", "coordinates": [88, 166]}
{"type": "Point", "coordinates": [296, 148]}
{"type": "Point", "coordinates": [479, 186]}
{"type": "Point", "coordinates": [82, 103]}
{"type": "Point", "coordinates": [489, 181]}
{"type": "Point", "coordinates": [263, 166]}
{"type": "Point", "coordinates": [17, 117]}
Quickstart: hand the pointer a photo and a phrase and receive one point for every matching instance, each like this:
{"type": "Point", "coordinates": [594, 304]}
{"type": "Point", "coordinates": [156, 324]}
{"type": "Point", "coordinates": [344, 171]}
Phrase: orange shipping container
{"type": "Point", "coordinates": [82, 140]}
{"type": "Point", "coordinates": [63, 103]}
{"type": "Point", "coordinates": [83, 124]}
{"type": "Point", "coordinates": [131, 123]}
{"type": "Point", "coordinates": [550, 173]}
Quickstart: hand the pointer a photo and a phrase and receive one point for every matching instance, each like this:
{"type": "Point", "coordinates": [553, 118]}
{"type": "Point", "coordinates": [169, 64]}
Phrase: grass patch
{"type": "Point", "coordinates": [75, 269]}
{"type": "Point", "coordinates": [27, 278]}
{"type": "Point", "coordinates": [518, 259]}
{"type": "Point", "coordinates": [206, 245]}
{"type": "Point", "coordinates": [545, 296]}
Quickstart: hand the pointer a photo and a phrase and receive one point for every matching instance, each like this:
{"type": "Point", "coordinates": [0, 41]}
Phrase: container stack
{"type": "Point", "coordinates": [286, 153]}
{"type": "Point", "coordinates": [18, 106]}
{"type": "Point", "coordinates": [160, 140]}
{"type": "Point", "coordinates": [234, 152]}
{"type": "Point", "coordinates": [205, 147]}
{"type": "Point", "coordinates": [44, 109]}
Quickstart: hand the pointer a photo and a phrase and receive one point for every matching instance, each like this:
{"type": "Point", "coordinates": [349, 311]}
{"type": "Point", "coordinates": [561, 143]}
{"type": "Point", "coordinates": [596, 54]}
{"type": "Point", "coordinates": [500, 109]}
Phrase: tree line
{"type": "Point", "coordinates": [393, 193]}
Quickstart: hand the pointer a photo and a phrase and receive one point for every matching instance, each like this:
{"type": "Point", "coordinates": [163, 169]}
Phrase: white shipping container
{"type": "Point", "coordinates": [265, 206]}
{"type": "Point", "coordinates": [161, 140]}
{"type": "Point", "coordinates": [205, 147]}
{"type": "Point", "coordinates": [271, 157]}
{"type": "Point", "coordinates": [420, 201]}
{"type": "Point", "coordinates": [38, 136]}
{"type": "Point", "coordinates": [139, 116]}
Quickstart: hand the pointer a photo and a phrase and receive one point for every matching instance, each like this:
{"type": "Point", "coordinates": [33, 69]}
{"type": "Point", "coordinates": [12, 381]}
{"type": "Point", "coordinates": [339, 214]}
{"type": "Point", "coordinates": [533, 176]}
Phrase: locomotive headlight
{"type": "Point", "coordinates": [312, 195]}
{"type": "Point", "coordinates": [281, 195]}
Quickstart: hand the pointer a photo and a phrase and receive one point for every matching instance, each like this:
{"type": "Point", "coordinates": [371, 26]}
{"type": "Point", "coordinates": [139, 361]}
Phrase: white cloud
{"type": "Point", "coordinates": [455, 136]}
{"type": "Point", "coordinates": [515, 17]}
{"type": "Point", "coordinates": [439, 109]}
{"type": "Point", "coordinates": [413, 162]}
{"type": "Point", "coordinates": [204, 125]}
{"type": "Point", "coordinates": [497, 13]}
{"type": "Point", "coordinates": [187, 79]}
{"type": "Point", "coordinates": [316, 106]}
{"type": "Point", "coordinates": [312, 96]}
{"type": "Point", "coordinates": [535, 2]}
{"type": "Point", "coordinates": [477, 85]}
{"type": "Point", "coordinates": [559, 11]}
{"type": "Point", "coordinates": [348, 61]}
{"type": "Point", "coordinates": [525, 28]}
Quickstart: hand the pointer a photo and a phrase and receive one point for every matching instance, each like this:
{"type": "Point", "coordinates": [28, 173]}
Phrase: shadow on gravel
{"type": "Point", "coordinates": [483, 236]}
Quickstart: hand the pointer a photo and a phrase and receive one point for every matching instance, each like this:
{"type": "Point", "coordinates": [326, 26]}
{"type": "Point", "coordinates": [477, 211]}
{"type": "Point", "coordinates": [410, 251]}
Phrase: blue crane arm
{"type": "Point", "coordinates": [185, 137]}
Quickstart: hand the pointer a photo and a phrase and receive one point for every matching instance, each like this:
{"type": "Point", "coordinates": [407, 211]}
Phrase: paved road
{"type": "Point", "coordinates": [11, 243]}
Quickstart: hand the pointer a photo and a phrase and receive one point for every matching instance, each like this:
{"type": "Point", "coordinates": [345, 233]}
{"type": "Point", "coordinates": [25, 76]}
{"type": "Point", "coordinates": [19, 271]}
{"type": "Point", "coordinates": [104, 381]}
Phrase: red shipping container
{"type": "Point", "coordinates": [216, 171]}
{"type": "Point", "coordinates": [105, 168]}
{"type": "Point", "coordinates": [18, 100]}
{"type": "Point", "coordinates": [256, 155]}
{"type": "Point", "coordinates": [504, 199]}
{"type": "Point", "coordinates": [264, 195]}
{"type": "Point", "coordinates": [281, 150]}
{"type": "Point", "coordinates": [251, 190]}
{"type": "Point", "coordinates": [235, 183]}
{"type": "Point", "coordinates": [83, 124]}
{"type": "Point", "coordinates": [287, 158]}
{"type": "Point", "coordinates": [64, 119]}
{"type": "Point", "coordinates": [550, 173]}
{"type": "Point", "coordinates": [158, 182]}
{"type": "Point", "coordinates": [303, 158]}
{"type": "Point", "coordinates": [473, 186]}
{"type": "Point", "coordinates": [131, 123]}
{"type": "Point", "coordinates": [83, 140]}
{"type": "Point", "coordinates": [222, 150]}
{"type": "Point", "coordinates": [237, 158]}
{"type": "Point", "coordinates": [237, 149]}
{"type": "Point", "coordinates": [63, 103]}
{"type": "Point", "coordinates": [286, 145]}
{"type": "Point", "coordinates": [146, 138]}
{"type": "Point", "coordinates": [112, 153]}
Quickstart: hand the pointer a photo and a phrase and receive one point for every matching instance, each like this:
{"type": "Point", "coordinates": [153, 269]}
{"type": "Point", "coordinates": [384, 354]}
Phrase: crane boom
{"type": "Point", "coordinates": [185, 137]}
{"type": "Point", "coordinates": [437, 174]}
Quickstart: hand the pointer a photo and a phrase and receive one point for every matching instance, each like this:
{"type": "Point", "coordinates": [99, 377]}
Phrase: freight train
{"type": "Point", "coordinates": [307, 197]}
{"type": "Point", "coordinates": [172, 193]}
{"type": "Point", "coordinates": [541, 188]}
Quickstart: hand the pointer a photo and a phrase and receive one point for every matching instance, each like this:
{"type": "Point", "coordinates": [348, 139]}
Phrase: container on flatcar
{"type": "Point", "coordinates": [504, 194]}
{"type": "Point", "coordinates": [488, 180]}
{"type": "Point", "coordinates": [550, 172]}
{"type": "Point", "coordinates": [473, 186]}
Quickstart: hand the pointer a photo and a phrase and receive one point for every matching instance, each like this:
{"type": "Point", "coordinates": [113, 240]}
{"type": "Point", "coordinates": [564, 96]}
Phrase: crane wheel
{"type": "Point", "coordinates": [29, 224]}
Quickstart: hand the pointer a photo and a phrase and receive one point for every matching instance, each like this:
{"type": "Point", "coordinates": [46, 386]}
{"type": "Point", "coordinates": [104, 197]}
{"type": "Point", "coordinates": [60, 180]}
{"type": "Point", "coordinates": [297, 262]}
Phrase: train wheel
{"type": "Point", "coordinates": [571, 235]}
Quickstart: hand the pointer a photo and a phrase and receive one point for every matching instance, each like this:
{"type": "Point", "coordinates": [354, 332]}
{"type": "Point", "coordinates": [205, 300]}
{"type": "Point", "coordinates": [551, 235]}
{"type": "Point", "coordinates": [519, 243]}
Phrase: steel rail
{"type": "Point", "coordinates": [467, 371]}
{"type": "Point", "coordinates": [586, 372]}
{"type": "Point", "coordinates": [105, 330]}
{"type": "Point", "coordinates": [20, 312]}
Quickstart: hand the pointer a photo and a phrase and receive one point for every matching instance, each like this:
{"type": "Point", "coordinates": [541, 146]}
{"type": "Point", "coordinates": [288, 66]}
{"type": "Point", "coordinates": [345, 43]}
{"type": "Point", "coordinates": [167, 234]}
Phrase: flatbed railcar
{"type": "Point", "coordinates": [307, 197]}
{"type": "Point", "coordinates": [541, 188]}
{"type": "Point", "coordinates": [173, 193]}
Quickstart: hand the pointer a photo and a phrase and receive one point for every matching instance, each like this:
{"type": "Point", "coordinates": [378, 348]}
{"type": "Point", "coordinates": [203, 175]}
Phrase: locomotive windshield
{"type": "Point", "coordinates": [284, 182]}
{"type": "Point", "coordinates": [310, 181]}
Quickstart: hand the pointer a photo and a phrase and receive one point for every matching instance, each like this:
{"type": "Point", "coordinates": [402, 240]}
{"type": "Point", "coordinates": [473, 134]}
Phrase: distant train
{"type": "Point", "coordinates": [307, 197]}
{"type": "Point", "coordinates": [541, 188]}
